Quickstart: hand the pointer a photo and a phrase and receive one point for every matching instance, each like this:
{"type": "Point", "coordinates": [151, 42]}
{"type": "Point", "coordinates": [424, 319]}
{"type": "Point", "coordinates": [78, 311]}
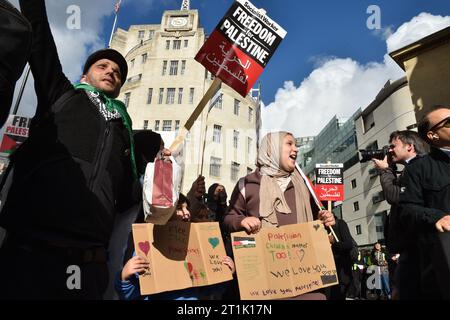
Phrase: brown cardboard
{"type": "Point", "coordinates": [283, 262]}
{"type": "Point", "coordinates": [181, 255]}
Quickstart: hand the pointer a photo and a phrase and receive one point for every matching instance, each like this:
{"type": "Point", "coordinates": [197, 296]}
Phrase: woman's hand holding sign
{"type": "Point", "coordinates": [251, 224]}
{"type": "Point", "coordinates": [327, 218]}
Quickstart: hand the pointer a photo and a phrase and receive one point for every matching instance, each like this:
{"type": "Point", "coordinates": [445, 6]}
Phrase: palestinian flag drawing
{"type": "Point", "coordinates": [16, 132]}
{"type": "Point", "coordinates": [244, 242]}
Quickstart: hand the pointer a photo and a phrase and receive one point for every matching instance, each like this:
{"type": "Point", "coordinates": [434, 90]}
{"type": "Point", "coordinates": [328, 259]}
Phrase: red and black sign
{"type": "Point", "coordinates": [16, 132]}
{"type": "Point", "coordinates": [241, 46]}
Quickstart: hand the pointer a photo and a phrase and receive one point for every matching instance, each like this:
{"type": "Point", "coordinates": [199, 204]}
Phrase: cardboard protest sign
{"type": "Point", "coordinates": [330, 181]}
{"type": "Point", "coordinates": [241, 46]}
{"type": "Point", "coordinates": [16, 132]}
{"type": "Point", "coordinates": [181, 255]}
{"type": "Point", "coordinates": [283, 262]}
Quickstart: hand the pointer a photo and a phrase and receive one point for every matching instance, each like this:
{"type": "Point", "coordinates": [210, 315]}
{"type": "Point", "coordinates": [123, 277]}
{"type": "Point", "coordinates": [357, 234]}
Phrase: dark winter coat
{"type": "Point", "coordinates": [425, 198]}
{"type": "Point", "coordinates": [74, 173]}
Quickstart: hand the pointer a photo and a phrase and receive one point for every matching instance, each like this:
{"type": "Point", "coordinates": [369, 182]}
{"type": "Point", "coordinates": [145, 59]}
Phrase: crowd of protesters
{"type": "Point", "coordinates": [79, 176]}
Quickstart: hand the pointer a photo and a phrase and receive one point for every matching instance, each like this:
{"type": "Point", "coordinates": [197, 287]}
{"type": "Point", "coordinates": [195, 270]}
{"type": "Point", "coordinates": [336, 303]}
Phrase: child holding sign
{"type": "Point", "coordinates": [275, 194]}
{"type": "Point", "coordinates": [127, 282]}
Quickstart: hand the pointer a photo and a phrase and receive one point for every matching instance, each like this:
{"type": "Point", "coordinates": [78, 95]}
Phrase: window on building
{"type": "Point", "coordinates": [235, 139]}
{"type": "Point", "coordinates": [167, 125]}
{"type": "Point", "coordinates": [378, 197]}
{"type": "Point", "coordinates": [218, 102]}
{"type": "Point", "coordinates": [167, 44]}
{"type": "Point", "coordinates": [183, 67]}
{"type": "Point", "coordinates": [373, 172]}
{"type": "Point", "coordinates": [214, 167]}
{"type": "Point", "coordinates": [249, 144]}
{"type": "Point", "coordinates": [156, 125]}
{"type": "Point", "coordinates": [372, 146]}
{"type": "Point", "coordinates": [164, 68]}
{"type": "Point", "coordinates": [236, 107]}
{"type": "Point", "coordinates": [177, 125]}
{"type": "Point", "coordinates": [358, 229]}
{"type": "Point", "coordinates": [127, 99]}
{"type": "Point", "coordinates": [180, 95]}
{"type": "Point", "coordinates": [144, 58]}
{"type": "Point", "coordinates": [234, 171]}
{"type": "Point", "coordinates": [151, 34]}
{"type": "Point", "coordinates": [131, 63]}
{"type": "Point", "coordinates": [176, 44]}
{"type": "Point", "coordinates": [145, 124]}
{"type": "Point", "coordinates": [170, 98]}
{"type": "Point", "coordinates": [141, 34]}
{"type": "Point", "coordinates": [250, 114]}
{"type": "Point", "coordinates": [368, 122]}
{"type": "Point", "coordinates": [217, 133]}
{"type": "Point", "coordinates": [353, 182]}
{"type": "Point", "coordinates": [379, 228]}
{"type": "Point", "coordinates": [186, 42]}
{"type": "Point", "coordinates": [191, 95]}
{"type": "Point", "coordinates": [149, 95]}
{"type": "Point", "coordinates": [355, 206]}
{"type": "Point", "coordinates": [135, 78]}
{"type": "Point", "coordinates": [161, 95]}
{"type": "Point", "coordinates": [173, 68]}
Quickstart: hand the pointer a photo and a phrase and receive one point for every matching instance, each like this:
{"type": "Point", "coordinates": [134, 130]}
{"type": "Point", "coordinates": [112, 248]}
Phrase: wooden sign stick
{"type": "Point", "coordinates": [316, 200]}
{"type": "Point", "coordinates": [195, 114]}
{"type": "Point", "coordinates": [331, 210]}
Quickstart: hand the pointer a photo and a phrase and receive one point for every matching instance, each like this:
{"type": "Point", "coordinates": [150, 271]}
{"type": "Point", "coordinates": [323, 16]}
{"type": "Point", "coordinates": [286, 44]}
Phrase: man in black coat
{"type": "Point", "coordinates": [341, 253]}
{"type": "Point", "coordinates": [71, 177]}
{"type": "Point", "coordinates": [425, 198]}
{"type": "Point", "coordinates": [404, 146]}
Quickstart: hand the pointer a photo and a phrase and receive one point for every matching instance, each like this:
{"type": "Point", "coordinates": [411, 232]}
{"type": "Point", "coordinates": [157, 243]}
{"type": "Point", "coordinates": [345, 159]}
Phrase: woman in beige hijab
{"type": "Point", "coordinates": [275, 194]}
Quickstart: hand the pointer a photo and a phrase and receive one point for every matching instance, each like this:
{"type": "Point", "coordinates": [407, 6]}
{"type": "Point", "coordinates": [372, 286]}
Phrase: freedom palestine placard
{"type": "Point", "coordinates": [241, 46]}
{"type": "Point", "coordinates": [16, 132]}
{"type": "Point", "coordinates": [330, 181]}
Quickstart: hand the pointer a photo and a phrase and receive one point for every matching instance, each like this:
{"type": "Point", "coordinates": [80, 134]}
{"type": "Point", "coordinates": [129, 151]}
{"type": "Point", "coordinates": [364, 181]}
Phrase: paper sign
{"type": "Point", "coordinates": [16, 132]}
{"type": "Point", "coordinates": [330, 182]}
{"type": "Point", "coordinates": [241, 46]}
{"type": "Point", "coordinates": [283, 262]}
{"type": "Point", "coordinates": [181, 255]}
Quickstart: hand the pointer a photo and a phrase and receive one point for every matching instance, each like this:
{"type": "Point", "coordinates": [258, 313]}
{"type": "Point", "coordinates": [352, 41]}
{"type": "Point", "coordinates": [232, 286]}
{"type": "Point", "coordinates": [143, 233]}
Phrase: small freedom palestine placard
{"type": "Point", "coordinates": [16, 132]}
{"type": "Point", "coordinates": [330, 181]}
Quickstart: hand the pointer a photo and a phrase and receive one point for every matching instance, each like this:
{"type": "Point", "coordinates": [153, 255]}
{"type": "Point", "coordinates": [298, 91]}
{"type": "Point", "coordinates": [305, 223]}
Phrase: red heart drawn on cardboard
{"type": "Point", "coordinates": [145, 247]}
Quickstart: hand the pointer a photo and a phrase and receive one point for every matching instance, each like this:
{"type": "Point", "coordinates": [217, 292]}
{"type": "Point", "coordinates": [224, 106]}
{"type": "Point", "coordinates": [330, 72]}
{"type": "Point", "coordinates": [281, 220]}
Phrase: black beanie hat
{"type": "Point", "coordinates": [109, 54]}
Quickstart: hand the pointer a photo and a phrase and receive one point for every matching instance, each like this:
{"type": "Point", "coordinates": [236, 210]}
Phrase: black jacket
{"type": "Point", "coordinates": [73, 174]}
{"type": "Point", "coordinates": [15, 44]}
{"type": "Point", "coordinates": [398, 238]}
{"type": "Point", "coordinates": [425, 198]}
{"type": "Point", "coordinates": [341, 251]}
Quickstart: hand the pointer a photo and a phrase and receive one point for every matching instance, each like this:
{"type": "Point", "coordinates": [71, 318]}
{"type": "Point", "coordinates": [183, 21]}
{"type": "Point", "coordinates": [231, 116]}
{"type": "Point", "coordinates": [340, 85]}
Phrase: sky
{"type": "Point", "coordinates": [333, 60]}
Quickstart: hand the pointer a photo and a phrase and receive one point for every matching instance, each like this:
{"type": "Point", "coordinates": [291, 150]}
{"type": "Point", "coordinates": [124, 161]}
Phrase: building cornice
{"type": "Point", "coordinates": [414, 49]}
{"type": "Point", "coordinates": [388, 89]}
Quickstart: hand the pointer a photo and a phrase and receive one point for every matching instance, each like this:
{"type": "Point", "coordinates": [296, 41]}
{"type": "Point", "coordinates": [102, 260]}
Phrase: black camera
{"type": "Point", "coordinates": [367, 155]}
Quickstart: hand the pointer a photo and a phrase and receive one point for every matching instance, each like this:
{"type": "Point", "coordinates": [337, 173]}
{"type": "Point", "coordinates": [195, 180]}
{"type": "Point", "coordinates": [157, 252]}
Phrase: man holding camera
{"type": "Point", "coordinates": [404, 146]}
{"type": "Point", "coordinates": [425, 201]}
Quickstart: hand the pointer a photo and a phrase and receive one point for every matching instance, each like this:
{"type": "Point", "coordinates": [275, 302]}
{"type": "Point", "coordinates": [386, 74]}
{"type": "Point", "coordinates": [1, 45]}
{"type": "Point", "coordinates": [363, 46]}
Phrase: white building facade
{"type": "Point", "coordinates": [165, 84]}
{"type": "Point", "coordinates": [364, 208]}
